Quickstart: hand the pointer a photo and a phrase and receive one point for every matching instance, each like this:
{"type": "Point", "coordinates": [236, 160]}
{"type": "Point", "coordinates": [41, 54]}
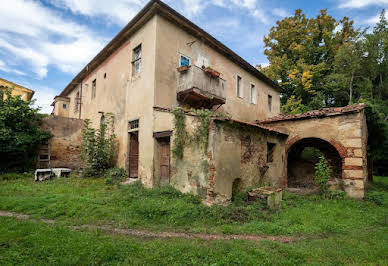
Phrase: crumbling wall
{"type": "Point", "coordinates": [66, 141]}
{"type": "Point", "coordinates": [346, 132]}
{"type": "Point", "coordinates": [239, 152]}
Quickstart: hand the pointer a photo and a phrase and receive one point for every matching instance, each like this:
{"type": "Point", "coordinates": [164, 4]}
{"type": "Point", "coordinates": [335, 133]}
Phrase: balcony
{"type": "Point", "coordinates": [200, 88]}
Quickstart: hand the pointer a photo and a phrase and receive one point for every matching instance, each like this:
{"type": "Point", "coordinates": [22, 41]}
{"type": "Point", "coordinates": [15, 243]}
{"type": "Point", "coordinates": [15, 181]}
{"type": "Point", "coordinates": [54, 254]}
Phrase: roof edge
{"type": "Point", "coordinates": [320, 113]}
{"type": "Point", "coordinates": [147, 12]}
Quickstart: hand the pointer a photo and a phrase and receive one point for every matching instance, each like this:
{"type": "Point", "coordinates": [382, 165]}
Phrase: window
{"type": "Point", "coordinates": [184, 61]}
{"type": "Point", "coordinates": [76, 102]}
{"type": "Point", "coordinates": [64, 106]}
{"type": "Point", "coordinates": [94, 89]}
{"type": "Point", "coordinates": [102, 120]}
{"type": "Point", "coordinates": [104, 75]}
{"type": "Point", "coordinates": [136, 62]}
{"type": "Point", "coordinates": [134, 124]}
{"type": "Point", "coordinates": [253, 94]}
{"type": "Point", "coordinates": [270, 151]}
{"type": "Point", "coordinates": [269, 103]}
{"type": "Point", "coordinates": [238, 87]}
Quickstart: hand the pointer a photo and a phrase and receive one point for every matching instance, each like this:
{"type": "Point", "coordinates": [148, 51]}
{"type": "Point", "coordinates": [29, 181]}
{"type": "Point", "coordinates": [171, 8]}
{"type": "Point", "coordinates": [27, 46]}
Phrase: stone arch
{"type": "Point", "coordinates": [300, 170]}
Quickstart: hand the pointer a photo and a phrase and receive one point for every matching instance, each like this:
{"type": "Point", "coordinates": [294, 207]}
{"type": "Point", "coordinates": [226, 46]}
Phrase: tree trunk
{"type": "Point", "coordinates": [351, 89]}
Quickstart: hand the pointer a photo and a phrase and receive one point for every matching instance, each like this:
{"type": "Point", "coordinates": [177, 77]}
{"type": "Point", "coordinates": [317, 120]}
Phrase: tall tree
{"type": "Point", "coordinates": [301, 52]}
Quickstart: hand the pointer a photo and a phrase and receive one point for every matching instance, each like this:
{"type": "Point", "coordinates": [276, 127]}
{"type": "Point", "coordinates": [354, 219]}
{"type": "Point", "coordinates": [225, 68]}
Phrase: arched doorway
{"type": "Point", "coordinates": [302, 157]}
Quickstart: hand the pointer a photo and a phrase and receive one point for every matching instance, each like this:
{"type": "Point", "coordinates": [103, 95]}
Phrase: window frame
{"type": "Point", "coordinates": [253, 86]}
{"type": "Point", "coordinates": [180, 59]}
{"type": "Point", "coordinates": [76, 101]}
{"type": "Point", "coordinates": [94, 88]}
{"type": "Point", "coordinates": [137, 61]}
{"type": "Point", "coordinates": [269, 103]}
{"type": "Point", "coordinates": [271, 146]}
{"type": "Point", "coordinates": [239, 87]}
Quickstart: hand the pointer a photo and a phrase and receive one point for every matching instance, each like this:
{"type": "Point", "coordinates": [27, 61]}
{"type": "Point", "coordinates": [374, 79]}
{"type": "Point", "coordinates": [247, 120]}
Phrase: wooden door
{"type": "Point", "coordinates": [134, 156]}
{"type": "Point", "coordinates": [165, 162]}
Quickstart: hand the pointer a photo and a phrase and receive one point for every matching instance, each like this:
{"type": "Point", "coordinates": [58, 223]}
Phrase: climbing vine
{"type": "Point", "coordinates": [201, 134]}
{"type": "Point", "coordinates": [180, 133]}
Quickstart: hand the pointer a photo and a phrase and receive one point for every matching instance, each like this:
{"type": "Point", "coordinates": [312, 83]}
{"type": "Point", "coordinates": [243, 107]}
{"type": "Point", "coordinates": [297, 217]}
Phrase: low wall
{"type": "Point", "coordinates": [65, 145]}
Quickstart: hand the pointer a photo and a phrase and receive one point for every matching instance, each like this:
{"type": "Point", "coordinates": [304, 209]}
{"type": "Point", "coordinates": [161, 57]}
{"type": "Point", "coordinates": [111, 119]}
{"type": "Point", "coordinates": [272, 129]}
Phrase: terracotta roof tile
{"type": "Point", "coordinates": [325, 112]}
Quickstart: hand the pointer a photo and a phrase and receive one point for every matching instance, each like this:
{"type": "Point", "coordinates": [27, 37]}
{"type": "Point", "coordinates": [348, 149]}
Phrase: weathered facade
{"type": "Point", "coordinates": [65, 144]}
{"type": "Point", "coordinates": [161, 61]}
{"type": "Point", "coordinates": [17, 90]}
{"type": "Point", "coordinates": [340, 133]}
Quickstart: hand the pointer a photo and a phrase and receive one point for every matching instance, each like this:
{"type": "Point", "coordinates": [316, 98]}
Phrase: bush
{"type": "Point", "coordinates": [99, 147]}
{"type": "Point", "coordinates": [376, 197]}
{"type": "Point", "coordinates": [115, 175]}
{"type": "Point", "coordinates": [322, 175]}
{"type": "Point", "coordinates": [20, 133]}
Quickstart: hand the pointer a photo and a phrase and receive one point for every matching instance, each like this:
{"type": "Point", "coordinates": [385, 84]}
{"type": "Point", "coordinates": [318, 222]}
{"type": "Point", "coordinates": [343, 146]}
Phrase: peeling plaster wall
{"type": "Point", "coordinates": [234, 151]}
{"type": "Point", "coordinates": [173, 41]}
{"type": "Point", "coordinates": [347, 133]}
{"type": "Point", "coordinates": [66, 141]}
{"type": "Point", "coordinates": [127, 96]}
{"type": "Point", "coordinates": [240, 152]}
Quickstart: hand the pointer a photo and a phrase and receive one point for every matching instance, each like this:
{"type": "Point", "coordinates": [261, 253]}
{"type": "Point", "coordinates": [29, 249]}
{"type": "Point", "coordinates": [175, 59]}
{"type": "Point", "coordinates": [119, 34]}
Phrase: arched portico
{"type": "Point", "coordinates": [340, 133]}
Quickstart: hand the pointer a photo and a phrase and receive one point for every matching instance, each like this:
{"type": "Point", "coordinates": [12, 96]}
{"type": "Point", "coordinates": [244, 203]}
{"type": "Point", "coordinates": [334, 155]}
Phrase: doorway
{"type": "Point", "coordinates": [164, 160]}
{"type": "Point", "coordinates": [133, 154]}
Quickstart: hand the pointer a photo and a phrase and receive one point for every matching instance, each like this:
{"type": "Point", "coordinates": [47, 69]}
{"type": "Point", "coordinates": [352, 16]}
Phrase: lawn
{"type": "Point", "coordinates": [341, 231]}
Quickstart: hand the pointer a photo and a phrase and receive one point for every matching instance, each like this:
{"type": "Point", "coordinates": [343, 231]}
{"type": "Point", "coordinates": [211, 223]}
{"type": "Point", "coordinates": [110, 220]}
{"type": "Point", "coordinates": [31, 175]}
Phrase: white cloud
{"type": "Point", "coordinates": [44, 38]}
{"type": "Point", "coordinates": [362, 3]}
{"type": "Point", "coordinates": [280, 12]}
{"type": "Point", "coordinates": [119, 12]}
{"type": "Point", "coordinates": [373, 20]}
{"type": "Point", "coordinates": [43, 98]}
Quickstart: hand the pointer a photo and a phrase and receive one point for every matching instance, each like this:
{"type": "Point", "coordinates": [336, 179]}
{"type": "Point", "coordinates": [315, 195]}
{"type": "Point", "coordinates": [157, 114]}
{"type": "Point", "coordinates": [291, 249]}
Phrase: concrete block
{"type": "Point", "coordinates": [272, 195]}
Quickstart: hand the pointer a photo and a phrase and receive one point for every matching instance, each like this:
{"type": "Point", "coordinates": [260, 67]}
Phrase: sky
{"type": "Point", "coordinates": [45, 43]}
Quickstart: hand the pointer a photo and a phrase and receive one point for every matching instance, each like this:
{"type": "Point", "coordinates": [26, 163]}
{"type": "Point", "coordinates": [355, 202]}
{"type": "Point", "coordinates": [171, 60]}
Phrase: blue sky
{"type": "Point", "coordinates": [44, 44]}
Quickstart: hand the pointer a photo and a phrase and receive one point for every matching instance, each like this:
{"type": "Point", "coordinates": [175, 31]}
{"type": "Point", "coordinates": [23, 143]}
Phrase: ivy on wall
{"type": "Point", "coordinates": [201, 134]}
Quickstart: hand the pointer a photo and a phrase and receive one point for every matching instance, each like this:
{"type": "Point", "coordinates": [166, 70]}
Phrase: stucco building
{"type": "Point", "coordinates": [161, 61]}
{"type": "Point", "coordinates": [17, 90]}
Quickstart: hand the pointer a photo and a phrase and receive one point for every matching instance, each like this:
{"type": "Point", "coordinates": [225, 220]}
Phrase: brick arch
{"type": "Point", "coordinates": [334, 150]}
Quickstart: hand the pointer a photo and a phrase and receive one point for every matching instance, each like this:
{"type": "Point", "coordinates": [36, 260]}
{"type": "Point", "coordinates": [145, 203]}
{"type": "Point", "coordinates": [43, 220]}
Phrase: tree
{"type": "Point", "coordinates": [99, 146]}
{"type": "Point", "coordinates": [20, 133]}
{"type": "Point", "coordinates": [301, 52]}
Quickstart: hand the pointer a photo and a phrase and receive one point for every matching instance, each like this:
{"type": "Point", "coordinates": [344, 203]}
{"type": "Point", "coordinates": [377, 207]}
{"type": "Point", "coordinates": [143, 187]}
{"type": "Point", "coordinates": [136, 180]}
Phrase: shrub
{"type": "Point", "coordinates": [114, 175]}
{"type": "Point", "coordinates": [376, 197]}
{"type": "Point", "coordinates": [322, 175]}
{"type": "Point", "coordinates": [20, 133]}
{"type": "Point", "coordinates": [99, 147]}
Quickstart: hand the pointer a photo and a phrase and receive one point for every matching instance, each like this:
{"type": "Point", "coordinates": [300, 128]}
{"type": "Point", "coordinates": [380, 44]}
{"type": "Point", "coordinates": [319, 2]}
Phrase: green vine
{"type": "Point", "coordinates": [200, 136]}
{"type": "Point", "coordinates": [180, 133]}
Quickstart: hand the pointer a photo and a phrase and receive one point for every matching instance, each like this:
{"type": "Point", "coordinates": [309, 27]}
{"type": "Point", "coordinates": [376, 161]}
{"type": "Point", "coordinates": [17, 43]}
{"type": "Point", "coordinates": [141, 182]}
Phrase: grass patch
{"type": "Point", "coordinates": [31, 243]}
{"type": "Point", "coordinates": [76, 201]}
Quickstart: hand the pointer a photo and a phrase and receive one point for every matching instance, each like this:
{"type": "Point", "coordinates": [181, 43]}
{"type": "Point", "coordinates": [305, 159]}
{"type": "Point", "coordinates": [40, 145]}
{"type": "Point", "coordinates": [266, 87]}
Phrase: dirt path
{"type": "Point", "coordinates": [145, 233]}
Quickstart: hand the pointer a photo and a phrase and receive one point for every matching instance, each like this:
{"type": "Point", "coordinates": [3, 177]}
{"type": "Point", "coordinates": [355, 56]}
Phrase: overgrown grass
{"type": "Point", "coordinates": [89, 201]}
{"type": "Point", "coordinates": [347, 231]}
{"type": "Point", "coordinates": [30, 243]}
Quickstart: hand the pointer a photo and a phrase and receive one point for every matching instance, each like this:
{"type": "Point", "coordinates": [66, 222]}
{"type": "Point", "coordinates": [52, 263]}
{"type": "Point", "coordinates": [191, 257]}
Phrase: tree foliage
{"type": "Point", "coordinates": [99, 146]}
{"type": "Point", "coordinates": [324, 62]}
{"type": "Point", "coordinates": [20, 133]}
